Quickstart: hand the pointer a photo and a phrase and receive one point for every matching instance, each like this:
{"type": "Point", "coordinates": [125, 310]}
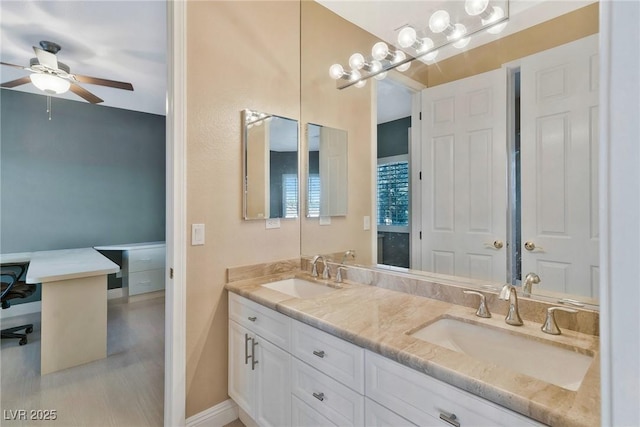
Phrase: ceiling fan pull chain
{"type": "Point", "coordinates": [49, 106]}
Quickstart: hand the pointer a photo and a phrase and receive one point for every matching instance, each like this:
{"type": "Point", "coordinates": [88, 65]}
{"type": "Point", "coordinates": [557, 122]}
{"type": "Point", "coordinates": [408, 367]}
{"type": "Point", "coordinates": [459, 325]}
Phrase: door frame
{"type": "Point", "coordinates": [176, 205]}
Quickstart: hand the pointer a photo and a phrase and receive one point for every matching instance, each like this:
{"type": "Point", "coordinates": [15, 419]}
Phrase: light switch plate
{"type": "Point", "coordinates": [197, 234]}
{"type": "Point", "coordinates": [272, 223]}
{"type": "Point", "coordinates": [325, 220]}
{"type": "Point", "coordinates": [367, 223]}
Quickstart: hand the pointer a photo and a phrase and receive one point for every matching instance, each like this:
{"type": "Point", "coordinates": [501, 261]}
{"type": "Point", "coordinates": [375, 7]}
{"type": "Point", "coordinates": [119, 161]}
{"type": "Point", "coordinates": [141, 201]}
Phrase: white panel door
{"type": "Point", "coordinates": [559, 159]}
{"type": "Point", "coordinates": [241, 386]}
{"type": "Point", "coordinates": [464, 172]}
{"type": "Point", "coordinates": [273, 385]}
{"type": "Point", "coordinates": [333, 172]}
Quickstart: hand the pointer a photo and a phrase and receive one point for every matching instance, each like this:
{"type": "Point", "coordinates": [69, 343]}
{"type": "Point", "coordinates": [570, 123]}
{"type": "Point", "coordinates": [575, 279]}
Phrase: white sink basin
{"type": "Point", "coordinates": [299, 288]}
{"type": "Point", "coordinates": [547, 362]}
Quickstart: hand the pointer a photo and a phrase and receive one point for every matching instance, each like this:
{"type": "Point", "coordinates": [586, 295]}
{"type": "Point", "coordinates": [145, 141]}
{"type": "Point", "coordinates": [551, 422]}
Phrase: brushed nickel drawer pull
{"type": "Point", "coordinates": [319, 396]}
{"type": "Point", "coordinates": [246, 349]}
{"type": "Point", "coordinates": [254, 362]}
{"type": "Point", "coordinates": [252, 318]}
{"type": "Point", "coordinates": [450, 418]}
{"type": "Point", "coordinates": [320, 353]}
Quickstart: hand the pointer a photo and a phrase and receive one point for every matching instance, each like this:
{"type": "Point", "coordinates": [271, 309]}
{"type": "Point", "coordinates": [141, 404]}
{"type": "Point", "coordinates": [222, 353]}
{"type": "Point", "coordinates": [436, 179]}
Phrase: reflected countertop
{"type": "Point", "coordinates": [379, 320]}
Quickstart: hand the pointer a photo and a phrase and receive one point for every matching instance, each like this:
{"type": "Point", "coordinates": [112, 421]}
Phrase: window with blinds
{"type": "Point", "coordinates": [393, 193]}
{"type": "Point", "coordinates": [290, 195]}
{"type": "Point", "coordinates": [313, 194]}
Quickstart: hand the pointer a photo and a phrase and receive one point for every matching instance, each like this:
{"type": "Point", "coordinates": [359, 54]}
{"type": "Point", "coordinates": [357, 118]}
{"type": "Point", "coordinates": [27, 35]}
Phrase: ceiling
{"type": "Point", "coordinates": [126, 40]}
{"type": "Point", "coordinates": [115, 40]}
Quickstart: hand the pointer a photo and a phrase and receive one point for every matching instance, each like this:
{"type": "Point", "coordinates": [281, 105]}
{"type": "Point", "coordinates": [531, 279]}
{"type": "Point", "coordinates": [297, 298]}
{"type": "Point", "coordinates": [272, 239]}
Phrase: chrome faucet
{"type": "Point", "coordinates": [314, 269]}
{"type": "Point", "coordinates": [530, 280]}
{"type": "Point", "coordinates": [550, 325]}
{"type": "Point", "coordinates": [339, 271]}
{"type": "Point", "coordinates": [350, 253]}
{"type": "Point", "coordinates": [508, 293]}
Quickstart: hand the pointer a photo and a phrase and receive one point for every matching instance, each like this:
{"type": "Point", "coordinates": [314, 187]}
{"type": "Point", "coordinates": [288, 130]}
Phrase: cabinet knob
{"type": "Point", "coordinates": [319, 396]}
{"type": "Point", "coordinates": [450, 418]}
{"type": "Point", "coordinates": [320, 353]}
{"type": "Point", "coordinates": [252, 318]}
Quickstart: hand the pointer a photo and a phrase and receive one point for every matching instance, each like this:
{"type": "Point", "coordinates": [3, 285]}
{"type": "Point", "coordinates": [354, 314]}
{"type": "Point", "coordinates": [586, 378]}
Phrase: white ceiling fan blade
{"type": "Point", "coordinates": [45, 58]}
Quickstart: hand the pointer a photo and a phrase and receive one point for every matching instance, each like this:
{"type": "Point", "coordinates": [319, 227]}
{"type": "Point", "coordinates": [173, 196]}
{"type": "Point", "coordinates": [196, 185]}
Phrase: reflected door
{"type": "Point", "coordinates": [559, 158]}
{"type": "Point", "coordinates": [464, 172]}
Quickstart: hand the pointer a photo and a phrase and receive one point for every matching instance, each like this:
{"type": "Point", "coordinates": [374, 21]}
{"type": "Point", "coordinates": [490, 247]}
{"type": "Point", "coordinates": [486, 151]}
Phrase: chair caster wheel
{"type": "Point", "coordinates": [29, 330]}
{"type": "Point", "coordinates": [23, 341]}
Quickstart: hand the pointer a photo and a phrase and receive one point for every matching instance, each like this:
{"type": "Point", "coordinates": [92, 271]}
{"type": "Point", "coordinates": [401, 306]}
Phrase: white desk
{"type": "Point", "coordinates": [74, 306]}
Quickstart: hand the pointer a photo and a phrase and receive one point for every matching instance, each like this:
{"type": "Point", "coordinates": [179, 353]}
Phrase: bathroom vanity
{"type": "Point", "coordinates": [353, 356]}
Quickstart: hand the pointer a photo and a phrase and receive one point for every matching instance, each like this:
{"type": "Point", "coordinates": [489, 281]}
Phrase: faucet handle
{"type": "Point", "coordinates": [483, 310]}
{"type": "Point", "coordinates": [326, 274]}
{"type": "Point", "coordinates": [550, 326]}
{"type": "Point", "coordinates": [339, 271]}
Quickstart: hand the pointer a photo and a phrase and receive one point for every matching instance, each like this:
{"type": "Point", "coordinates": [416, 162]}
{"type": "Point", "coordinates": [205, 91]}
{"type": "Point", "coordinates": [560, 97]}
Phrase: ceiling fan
{"type": "Point", "coordinates": [53, 77]}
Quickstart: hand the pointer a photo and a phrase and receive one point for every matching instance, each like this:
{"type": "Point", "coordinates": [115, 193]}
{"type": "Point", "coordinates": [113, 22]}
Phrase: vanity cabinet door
{"type": "Point", "coordinates": [241, 387]}
{"type": "Point", "coordinates": [273, 385]}
{"type": "Point", "coordinates": [259, 377]}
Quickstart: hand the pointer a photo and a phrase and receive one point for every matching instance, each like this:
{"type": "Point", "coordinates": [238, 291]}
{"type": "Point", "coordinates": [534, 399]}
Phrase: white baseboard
{"type": "Point", "coordinates": [217, 416]}
{"type": "Point", "coordinates": [21, 309]}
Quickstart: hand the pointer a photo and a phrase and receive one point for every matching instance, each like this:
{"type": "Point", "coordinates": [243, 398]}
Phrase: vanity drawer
{"type": "Point", "coordinates": [270, 324]}
{"type": "Point", "coordinates": [146, 281]}
{"type": "Point", "coordinates": [145, 259]}
{"type": "Point", "coordinates": [341, 405]}
{"type": "Point", "coordinates": [303, 415]}
{"type": "Point", "coordinates": [378, 416]}
{"type": "Point", "coordinates": [337, 358]}
{"type": "Point", "coordinates": [423, 399]}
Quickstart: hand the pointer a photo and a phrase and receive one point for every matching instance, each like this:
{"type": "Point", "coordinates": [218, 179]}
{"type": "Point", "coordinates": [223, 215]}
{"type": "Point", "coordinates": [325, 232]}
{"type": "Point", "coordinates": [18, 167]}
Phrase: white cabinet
{"type": "Point", "coordinates": [329, 381]}
{"type": "Point", "coordinates": [259, 370]}
{"type": "Point", "coordinates": [425, 401]}
{"type": "Point", "coordinates": [143, 269]}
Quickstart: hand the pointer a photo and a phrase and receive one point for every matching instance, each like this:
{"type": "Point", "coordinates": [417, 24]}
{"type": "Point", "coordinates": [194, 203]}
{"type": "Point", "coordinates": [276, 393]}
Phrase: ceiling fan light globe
{"type": "Point", "coordinates": [49, 83]}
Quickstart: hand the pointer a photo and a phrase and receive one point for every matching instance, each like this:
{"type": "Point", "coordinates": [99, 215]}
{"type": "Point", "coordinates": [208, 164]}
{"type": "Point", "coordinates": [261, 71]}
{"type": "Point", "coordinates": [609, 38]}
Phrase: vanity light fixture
{"type": "Point", "coordinates": [478, 15]}
{"type": "Point", "coordinates": [255, 118]}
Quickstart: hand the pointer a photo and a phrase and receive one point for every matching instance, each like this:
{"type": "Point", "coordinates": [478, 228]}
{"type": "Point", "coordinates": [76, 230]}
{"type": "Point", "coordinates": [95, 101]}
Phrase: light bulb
{"type": "Point", "coordinates": [404, 67]}
{"type": "Point", "coordinates": [380, 51]}
{"type": "Point", "coordinates": [336, 71]}
{"type": "Point", "coordinates": [398, 56]}
{"type": "Point", "coordinates": [425, 46]}
{"type": "Point", "coordinates": [380, 76]}
{"type": "Point", "coordinates": [360, 84]}
{"type": "Point", "coordinates": [439, 21]}
{"type": "Point", "coordinates": [375, 66]}
{"type": "Point", "coordinates": [459, 31]}
{"type": "Point", "coordinates": [407, 37]}
{"type": "Point", "coordinates": [498, 13]}
{"type": "Point", "coordinates": [475, 7]}
{"type": "Point", "coordinates": [354, 75]}
{"type": "Point", "coordinates": [430, 56]}
{"type": "Point", "coordinates": [356, 61]}
{"type": "Point", "coordinates": [49, 83]}
{"type": "Point", "coordinates": [462, 43]}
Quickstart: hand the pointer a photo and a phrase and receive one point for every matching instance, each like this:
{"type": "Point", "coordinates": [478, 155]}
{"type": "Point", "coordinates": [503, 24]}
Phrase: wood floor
{"type": "Point", "coordinates": [125, 389]}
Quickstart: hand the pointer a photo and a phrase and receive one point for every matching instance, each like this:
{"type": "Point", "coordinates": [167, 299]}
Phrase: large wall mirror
{"type": "Point", "coordinates": [327, 171]}
{"type": "Point", "coordinates": [270, 162]}
{"type": "Point", "coordinates": [534, 163]}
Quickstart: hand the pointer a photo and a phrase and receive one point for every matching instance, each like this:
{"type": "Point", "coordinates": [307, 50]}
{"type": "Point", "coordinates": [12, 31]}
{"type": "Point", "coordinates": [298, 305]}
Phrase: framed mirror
{"type": "Point", "coordinates": [327, 171]}
{"type": "Point", "coordinates": [270, 166]}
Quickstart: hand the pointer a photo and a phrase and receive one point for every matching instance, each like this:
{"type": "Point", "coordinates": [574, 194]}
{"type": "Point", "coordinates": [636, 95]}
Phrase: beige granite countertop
{"type": "Point", "coordinates": [379, 320]}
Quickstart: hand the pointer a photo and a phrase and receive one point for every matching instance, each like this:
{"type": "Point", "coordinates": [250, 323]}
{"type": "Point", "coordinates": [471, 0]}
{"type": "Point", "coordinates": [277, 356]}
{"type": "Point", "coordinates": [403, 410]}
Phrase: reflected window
{"type": "Point", "coordinates": [290, 195]}
{"type": "Point", "coordinates": [393, 191]}
{"type": "Point", "coordinates": [313, 188]}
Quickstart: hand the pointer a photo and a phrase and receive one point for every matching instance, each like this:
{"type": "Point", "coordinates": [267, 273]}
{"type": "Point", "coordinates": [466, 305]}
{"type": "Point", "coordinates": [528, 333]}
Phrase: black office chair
{"type": "Point", "coordinates": [13, 287]}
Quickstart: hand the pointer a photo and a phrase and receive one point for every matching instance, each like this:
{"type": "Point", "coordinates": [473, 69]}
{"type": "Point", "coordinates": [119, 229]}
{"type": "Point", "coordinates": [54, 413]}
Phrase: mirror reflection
{"type": "Point", "coordinates": [510, 188]}
{"type": "Point", "coordinates": [270, 161]}
{"type": "Point", "coordinates": [327, 171]}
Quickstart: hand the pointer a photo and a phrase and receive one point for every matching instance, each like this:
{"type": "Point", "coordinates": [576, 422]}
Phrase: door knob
{"type": "Point", "coordinates": [530, 246]}
{"type": "Point", "coordinates": [497, 244]}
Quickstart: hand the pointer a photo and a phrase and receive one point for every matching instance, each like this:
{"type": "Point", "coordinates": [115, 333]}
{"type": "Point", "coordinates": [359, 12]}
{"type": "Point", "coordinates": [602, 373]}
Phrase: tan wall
{"type": "Point", "coordinates": [240, 55]}
{"type": "Point", "coordinates": [564, 29]}
{"type": "Point", "coordinates": [328, 39]}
